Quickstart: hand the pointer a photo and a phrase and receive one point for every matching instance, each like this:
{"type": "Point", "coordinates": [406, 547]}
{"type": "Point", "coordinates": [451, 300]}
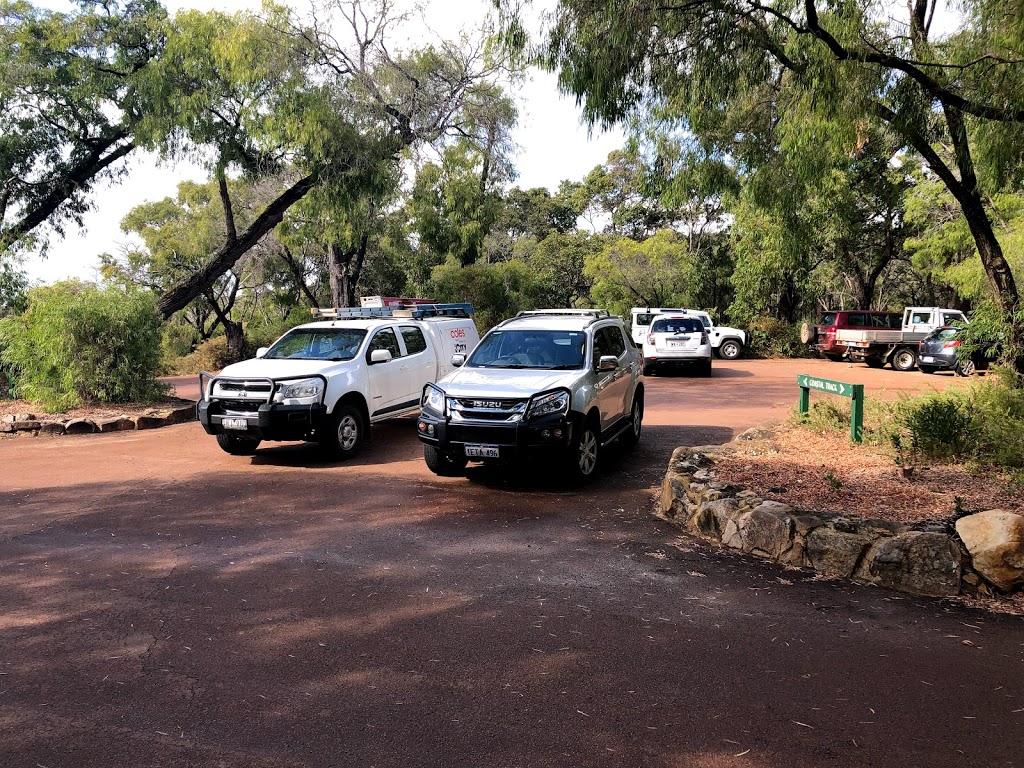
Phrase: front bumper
{"type": "Point", "coordinates": [272, 421]}
{"type": "Point", "coordinates": [515, 441]}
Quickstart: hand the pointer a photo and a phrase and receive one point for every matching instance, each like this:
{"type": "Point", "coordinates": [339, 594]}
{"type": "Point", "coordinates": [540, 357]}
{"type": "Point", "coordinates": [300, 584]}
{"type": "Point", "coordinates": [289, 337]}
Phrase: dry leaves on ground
{"type": "Point", "coordinates": [828, 473]}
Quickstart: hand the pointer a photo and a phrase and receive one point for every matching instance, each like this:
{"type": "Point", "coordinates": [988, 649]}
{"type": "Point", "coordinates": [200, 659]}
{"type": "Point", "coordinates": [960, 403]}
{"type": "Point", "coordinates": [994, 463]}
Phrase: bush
{"type": "Point", "coordinates": [76, 342]}
{"type": "Point", "coordinates": [770, 337]}
{"type": "Point", "coordinates": [939, 427]}
{"type": "Point", "coordinates": [211, 355]}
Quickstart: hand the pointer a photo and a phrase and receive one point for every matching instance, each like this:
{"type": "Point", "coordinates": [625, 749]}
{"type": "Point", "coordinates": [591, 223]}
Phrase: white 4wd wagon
{"type": "Point", "coordinates": [559, 383]}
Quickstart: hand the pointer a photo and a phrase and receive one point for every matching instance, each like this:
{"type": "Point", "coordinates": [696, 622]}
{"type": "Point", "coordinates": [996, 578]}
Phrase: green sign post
{"type": "Point", "coordinates": [853, 391]}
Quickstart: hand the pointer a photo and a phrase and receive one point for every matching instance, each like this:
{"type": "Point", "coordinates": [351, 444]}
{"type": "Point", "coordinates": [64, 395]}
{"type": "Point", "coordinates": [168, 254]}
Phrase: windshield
{"type": "Point", "coordinates": [548, 350]}
{"type": "Point", "coordinates": [317, 344]}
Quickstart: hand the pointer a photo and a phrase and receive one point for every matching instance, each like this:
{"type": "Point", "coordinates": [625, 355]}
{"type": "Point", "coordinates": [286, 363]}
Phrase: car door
{"type": "Point", "coordinates": [612, 386]}
{"type": "Point", "coordinates": [387, 385]}
{"type": "Point", "coordinates": [419, 364]}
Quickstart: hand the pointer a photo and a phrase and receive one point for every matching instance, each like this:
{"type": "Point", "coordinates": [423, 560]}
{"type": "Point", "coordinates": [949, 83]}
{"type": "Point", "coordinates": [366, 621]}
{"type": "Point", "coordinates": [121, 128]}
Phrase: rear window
{"type": "Point", "coordinates": [677, 325]}
{"type": "Point", "coordinates": [829, 318]}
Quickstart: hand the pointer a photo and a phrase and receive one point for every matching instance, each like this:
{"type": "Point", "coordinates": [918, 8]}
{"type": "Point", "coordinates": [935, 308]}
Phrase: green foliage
{"type": "Point", "coordinates": [770, 337]}
{"type": "Point", "coordinates": [211, 355]}
{"type": "Point", "coordinates": [834, 482]}
{"type": "Point", "coordinates": [496, 291]}
{"type": "Point", "coordinates": [657, 272]}
{"type": "Point", "coordinates": [939, 427]}
{"type": "Point", "coordinates": [77, 343]}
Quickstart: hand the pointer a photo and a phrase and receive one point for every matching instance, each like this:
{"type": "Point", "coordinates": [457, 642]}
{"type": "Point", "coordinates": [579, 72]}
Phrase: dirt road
{"type": "Point", "coordinates": [164, 604]}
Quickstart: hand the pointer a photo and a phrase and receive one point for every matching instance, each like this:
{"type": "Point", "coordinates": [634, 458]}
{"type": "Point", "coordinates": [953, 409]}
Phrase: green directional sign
{"type": "Point", "coordinates": [827, 385]}
{"type": "Point", "coordinates": [853, 391]}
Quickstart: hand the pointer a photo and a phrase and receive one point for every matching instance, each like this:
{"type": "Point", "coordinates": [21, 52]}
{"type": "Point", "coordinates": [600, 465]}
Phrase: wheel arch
{"type": "Point", "coordinates": [359, 402]}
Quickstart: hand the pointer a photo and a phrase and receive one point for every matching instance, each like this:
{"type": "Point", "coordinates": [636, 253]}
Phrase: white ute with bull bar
{"type": "Point", "coordinates": [328, 381]}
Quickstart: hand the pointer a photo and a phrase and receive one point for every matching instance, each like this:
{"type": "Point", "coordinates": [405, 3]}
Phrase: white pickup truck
{"type": "Point", "coordinates": [726, 342]}
{"type": "Point", "coordinates": [876, 347]}
{"type": "Point", "coordinates": [328, 381]}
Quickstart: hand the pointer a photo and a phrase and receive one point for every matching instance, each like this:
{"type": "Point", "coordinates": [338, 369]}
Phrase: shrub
{"type": "Point", "coordinates": [939, 427]}
{"type": "Point", "coordinates": [770, 337]}
{"type": "Point", "coordinates": [211, 355]}
{"type": "Point", "coordinates": [76, 342]}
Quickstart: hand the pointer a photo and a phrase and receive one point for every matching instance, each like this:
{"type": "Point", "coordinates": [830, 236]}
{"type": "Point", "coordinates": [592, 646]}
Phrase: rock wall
{"type": "Point", "coordinates": [28, 424]}
{"type": "Point", "coordinates": [923, 558]}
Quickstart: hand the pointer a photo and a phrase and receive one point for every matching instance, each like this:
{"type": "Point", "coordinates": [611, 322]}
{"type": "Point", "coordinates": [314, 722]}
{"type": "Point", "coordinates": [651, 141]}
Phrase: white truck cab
{"type": "Point", "coordinates": [327, 381]}
{"type": "Point", "coordinates": [726, 342]}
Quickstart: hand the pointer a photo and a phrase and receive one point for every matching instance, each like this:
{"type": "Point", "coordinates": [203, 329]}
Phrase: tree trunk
{"type": "Point", "coordinates": [179, 295]}
{"type": "Point", "coordinates": [345, 268]}
{"type": "Point", "coordinates": [235, 336]}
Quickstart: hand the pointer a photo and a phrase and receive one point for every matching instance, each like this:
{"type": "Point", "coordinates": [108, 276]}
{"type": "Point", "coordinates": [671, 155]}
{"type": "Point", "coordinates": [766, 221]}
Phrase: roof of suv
{"type": "Point", "coordinates": [553, 321]}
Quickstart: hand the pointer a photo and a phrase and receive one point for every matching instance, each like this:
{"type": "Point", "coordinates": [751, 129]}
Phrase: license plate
{"type": "Point", "coordinates": [482, 451]}
{"type": "Point", "coordinates": [234, 423]}
{"type": "Point", "coordinates": [927, 359]}
{"type": "Point", "coordinates": [677, 344]}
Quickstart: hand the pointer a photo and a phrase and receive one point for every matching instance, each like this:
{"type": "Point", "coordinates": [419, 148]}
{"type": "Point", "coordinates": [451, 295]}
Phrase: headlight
{"type": "Point", "coordinates": [433, 400]}
{"type": "Point", "coordinates": [299, 390]}
{"type": "Point", "coordinates": [548, 403]}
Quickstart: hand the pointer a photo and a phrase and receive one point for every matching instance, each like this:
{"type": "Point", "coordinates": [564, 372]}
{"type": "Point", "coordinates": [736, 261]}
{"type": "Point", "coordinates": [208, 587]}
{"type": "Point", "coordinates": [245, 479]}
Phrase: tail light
{"type": "Point", "coordinates": [703, 337]}
{"type": "Point", "coordinates": [650, 339]}
{"type": "Point", "coordinates": [951, 344]}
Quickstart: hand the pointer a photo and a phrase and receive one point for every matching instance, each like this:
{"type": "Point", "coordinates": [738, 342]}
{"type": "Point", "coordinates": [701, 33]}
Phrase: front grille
{"type": "Point", "coordinates": [242, 390]}
{"type": "Point", "coordinates": [242, 407]}
{"type": "Point", "coordinates": [486, 435]}
{"type": "Point", "coordinates": [486, 409]}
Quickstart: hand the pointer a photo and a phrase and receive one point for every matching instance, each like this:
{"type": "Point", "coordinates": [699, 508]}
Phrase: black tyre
{"type": "Point", "coordinates": [584, 454]}
{"type": "Point", "coordinates": [965, 368]}
{"type": "Point", "coordinates": [904, 359]}
{"type": "Point", "coordinates": [345, 433]}
{"type": "Point", "coordinates": [636, 419]}
{"type": "Point", "coordinates": [730, 349]}
{"type": "Point", "coordinates": [238, 446]}
{"type": "Point", "coordinates": [835, 358]}
{"type": "Point", "coordinates": [705, 368]}
{"type": "Point", "coordinates": [648, 370]}
{"type": "Point", "coordinates": [874, 362]}
{"type": "Point", "coordinates": [925, 369]}
{"type": "Point", "coordinates": [443, 464]}
{"type": "Point", "coordinates": [808, 333]}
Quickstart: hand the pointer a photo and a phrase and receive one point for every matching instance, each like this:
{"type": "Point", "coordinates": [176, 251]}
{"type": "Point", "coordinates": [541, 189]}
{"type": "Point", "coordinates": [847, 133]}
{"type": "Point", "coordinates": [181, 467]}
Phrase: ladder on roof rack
{"type": "Point", "coordinates": [417, 312]}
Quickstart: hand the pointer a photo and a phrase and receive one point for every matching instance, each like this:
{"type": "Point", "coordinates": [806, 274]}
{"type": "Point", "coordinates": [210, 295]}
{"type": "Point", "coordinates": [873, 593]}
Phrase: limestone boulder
{"type": "Point", "coordinates": [836, 553]}
{"type": "Point", "coordinates": [25, 425]}
{"type": "Point", "coordinates": [995, 541]}
{"type": "Point", "coordinates": [916, 561]}
{"type": "Point", "coordinates": [765, 530]}
{"type": "Point", "coordinates": [150, 422]}
{"type": "Point", "coordinates": [80, 427]}
{"type": "Point", "coordinates": [119, 424]}
{"type": "Point", "coordinates": [51, 428]}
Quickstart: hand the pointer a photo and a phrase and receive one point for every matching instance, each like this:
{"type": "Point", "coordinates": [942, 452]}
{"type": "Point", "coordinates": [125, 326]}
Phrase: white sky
{"type": "Point", "coordinates": [553, 146]}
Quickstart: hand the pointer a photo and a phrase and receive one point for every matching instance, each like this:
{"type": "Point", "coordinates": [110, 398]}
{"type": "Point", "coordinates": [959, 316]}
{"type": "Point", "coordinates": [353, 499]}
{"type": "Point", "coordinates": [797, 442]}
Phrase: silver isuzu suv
{"type": "Point", "coordinates": [553, 383]}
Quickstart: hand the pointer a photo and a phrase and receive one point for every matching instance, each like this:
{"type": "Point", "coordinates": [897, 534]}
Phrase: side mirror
{"type": "Point", "coordinates": [607, 363]}
{"type": "Point", "coordinates": [262, 351]}
{"type": "Point", "coordinates": [380, 356]}
{"type": "Point", "coordinates": [458, 360]}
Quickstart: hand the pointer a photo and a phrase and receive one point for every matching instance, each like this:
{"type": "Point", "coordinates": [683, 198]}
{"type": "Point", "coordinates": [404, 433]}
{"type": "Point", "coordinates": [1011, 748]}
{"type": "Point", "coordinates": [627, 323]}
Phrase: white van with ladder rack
{"type": "Point", "coordinates": [328, 381]}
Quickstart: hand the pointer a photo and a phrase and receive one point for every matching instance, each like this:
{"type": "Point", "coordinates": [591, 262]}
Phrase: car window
{"type": "Point", "coordinates": [855, 320]}
{"type": "Point", "coordinates": [550, 350]}
{"type": "Point", "coordinates": [920, 318]}
{"type": "Point", "coordinates": [384, 339]}
{"type": "Point", "coordinates": [413, 338]}
{"type": "Point", "coordinates": [317, 344]}
{"type": "Point", "coordinates": [952, 318]}
{"type": "Point", "coordinates": [829, 318]}
{"type": "Point", "coordinates": [615, 341]}
{"type": "Point", "coordinates": [677, 325]}
{"type": "Point", "coordinates": [644, 319]}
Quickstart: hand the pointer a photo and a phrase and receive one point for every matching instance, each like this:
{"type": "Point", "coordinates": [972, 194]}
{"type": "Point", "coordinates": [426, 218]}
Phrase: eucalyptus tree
{"type": "Point", "coordinates": [830, 70]}
{"type": "Point", "coordinates": [69, 101]}
{"type": "Point", "coordinates": [326, 96]}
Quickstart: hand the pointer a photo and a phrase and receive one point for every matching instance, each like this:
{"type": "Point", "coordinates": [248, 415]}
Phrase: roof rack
{"type": "Point", "coordinates": [417, 312]}
{"type": "Point", "coordinates": [572, 312]}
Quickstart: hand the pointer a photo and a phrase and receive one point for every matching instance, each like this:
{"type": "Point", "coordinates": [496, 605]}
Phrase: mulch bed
{"type": "Point", "coordinates": [96, 412]}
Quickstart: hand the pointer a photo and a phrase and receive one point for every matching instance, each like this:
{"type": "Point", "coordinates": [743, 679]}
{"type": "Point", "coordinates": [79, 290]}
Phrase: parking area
{"type": "Point", "coordinates": [165, 604]}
